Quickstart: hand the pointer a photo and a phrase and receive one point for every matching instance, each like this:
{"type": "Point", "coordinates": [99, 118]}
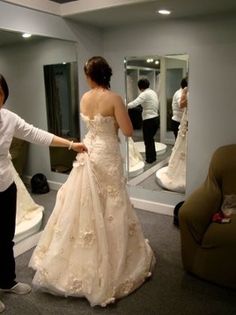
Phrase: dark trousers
{"type": "Point", "coordinates": [175, 127]}
{"type": "Point", "coordinates": [7, 232]}
{"type": "Point", "coordinates": [150, 127]}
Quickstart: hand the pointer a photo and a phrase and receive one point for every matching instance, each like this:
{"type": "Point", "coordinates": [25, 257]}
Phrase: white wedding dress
{"type": "Point", "coordinates": [28, 213]}
{"type": "Point", "coordinates": [93, 245]}
{"type": "Point", "coordinates": [173, 176]}
{"type": "Point", "coordinates": [27, 209]}
{"type": "Point", "coordinates": [136, 162]}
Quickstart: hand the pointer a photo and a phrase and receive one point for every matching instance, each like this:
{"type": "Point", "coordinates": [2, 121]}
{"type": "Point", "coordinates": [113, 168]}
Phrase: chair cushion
{"type": "Point", "coordinates": [220, 235]}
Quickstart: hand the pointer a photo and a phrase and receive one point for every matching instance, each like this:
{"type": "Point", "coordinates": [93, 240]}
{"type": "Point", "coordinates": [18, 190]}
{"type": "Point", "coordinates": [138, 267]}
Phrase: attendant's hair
{"type": "Point", "coordinates": [4, 86]}
{"type": "Point", "coordinates": [184, 83]}
{"type": "Point", "coordinates": [143, 84]}
{"type": "Point", "coordinates": [99, 71]}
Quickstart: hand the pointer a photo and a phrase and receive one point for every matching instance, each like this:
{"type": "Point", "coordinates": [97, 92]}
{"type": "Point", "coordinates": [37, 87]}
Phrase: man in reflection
{"type": "Point", "coordinates": [177, 107]}
{"type": "Point", "coordinates": [148, 99]}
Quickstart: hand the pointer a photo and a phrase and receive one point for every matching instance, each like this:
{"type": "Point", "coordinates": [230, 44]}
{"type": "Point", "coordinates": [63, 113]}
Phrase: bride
{"type": "Point", "coordinates": [93, 245]}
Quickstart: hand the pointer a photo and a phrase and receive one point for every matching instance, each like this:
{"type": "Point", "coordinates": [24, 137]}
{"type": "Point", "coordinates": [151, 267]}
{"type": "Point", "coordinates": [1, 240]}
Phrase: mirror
{"type": "Point", "coordinates": [164, 74]}
{"type": "Point", "coordinates": [25, 64]}
{"type": "Point", "coordinates": [61, 87]}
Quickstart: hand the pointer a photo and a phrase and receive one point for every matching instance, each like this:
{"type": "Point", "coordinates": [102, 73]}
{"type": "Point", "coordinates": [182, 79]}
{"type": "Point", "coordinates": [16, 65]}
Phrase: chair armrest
{"type": "Point", "coordinates": [196, 213]}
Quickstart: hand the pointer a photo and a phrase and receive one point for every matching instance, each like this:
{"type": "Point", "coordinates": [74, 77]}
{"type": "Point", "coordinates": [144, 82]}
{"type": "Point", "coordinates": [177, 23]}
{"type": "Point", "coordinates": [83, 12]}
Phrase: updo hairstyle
{"type": "Point", "coordinates": [99, 71]}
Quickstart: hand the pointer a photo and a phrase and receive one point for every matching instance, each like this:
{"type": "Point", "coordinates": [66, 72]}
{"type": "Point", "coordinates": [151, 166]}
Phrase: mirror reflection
{"type": "Point", "coordinates": [23, 63]}
{"type": "Point", "coordinates": [61, 87]}
{"type": "Point", "coordinates": [167, 79]}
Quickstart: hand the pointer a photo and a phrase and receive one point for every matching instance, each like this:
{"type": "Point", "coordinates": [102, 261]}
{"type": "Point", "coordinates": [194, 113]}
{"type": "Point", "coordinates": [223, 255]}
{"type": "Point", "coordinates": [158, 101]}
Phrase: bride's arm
{"type": "Point", "coordinates": [122, 117]}
{"type": "Point", "coordinates": [184, 98]}
{"type": "Point", "coordinates": [71, 145]}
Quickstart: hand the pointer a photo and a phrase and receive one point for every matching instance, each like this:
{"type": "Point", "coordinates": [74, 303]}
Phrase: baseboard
{"type": "Point", "coordinates": [52, 184]}
{"type": "Point", "coordinates": [142, 204]}
{"type": "Point", "coordinates": [152, 206]}
{"type": "Point", "coordinates": [26, 244]}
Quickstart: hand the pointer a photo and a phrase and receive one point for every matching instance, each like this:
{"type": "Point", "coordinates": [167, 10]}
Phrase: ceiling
{"type": "Point", "coordinates": [62, 1]}
{"type": "Point", "coordinates": [125, 12]}
{"type": "Point", "coordinates": [141, 11]}
{"type": "Point", "coordinates": [10, 37]}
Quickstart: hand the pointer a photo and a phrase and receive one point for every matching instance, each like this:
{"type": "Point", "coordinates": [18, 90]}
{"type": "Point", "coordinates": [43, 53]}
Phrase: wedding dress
{"type": "Point", "coordinates": [26, 208]}
{"type": "Point", "coordinates": [173, 176]}
{"type": "Point", "coordinates": [28, 213]}
{"type": "Point", "coordinates": [93, 245]}
{"type": "Point", "coordinates": [136, 161]}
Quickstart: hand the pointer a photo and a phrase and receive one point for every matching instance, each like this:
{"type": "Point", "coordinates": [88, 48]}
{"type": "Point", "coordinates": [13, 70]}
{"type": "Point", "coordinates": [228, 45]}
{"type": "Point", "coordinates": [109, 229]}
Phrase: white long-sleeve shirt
{"type": "Point", "coordinates": [11, 125]}
{"type": "Point", "coordinates": [149, 101]}
{"type": "Point", "coordinates": [176, 110]}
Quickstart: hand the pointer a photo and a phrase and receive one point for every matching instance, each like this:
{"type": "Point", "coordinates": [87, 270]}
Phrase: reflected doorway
{"type": "Point", "coordinates": [61, 86]}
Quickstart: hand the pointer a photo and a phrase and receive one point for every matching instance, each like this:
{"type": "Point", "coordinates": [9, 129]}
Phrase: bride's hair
{"type": "Point", "coordinates": [99, 71]}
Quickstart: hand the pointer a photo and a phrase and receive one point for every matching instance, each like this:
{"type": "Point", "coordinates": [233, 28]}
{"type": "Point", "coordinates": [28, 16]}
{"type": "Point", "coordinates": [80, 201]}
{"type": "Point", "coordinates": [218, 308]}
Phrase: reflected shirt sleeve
{"type": "Point", "coordinates": [138, 101]}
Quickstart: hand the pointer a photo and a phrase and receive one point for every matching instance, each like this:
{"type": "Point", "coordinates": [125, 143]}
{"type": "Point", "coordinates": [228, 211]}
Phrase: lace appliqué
{"type": "Point", "coordinates": [86, 238]}
{"type": "Point", "coordinates": [110, 218]}
{"type": "Point", "coordinates": [75, 285]}
{"type": "Point", "coordinates": [80, 160]}
{"type": "Point", "coordinates": [112, 191]}
{"type": "Point", "coordinates": [132, 228]}
{"type": "Point", "coordinates": [126, 287]}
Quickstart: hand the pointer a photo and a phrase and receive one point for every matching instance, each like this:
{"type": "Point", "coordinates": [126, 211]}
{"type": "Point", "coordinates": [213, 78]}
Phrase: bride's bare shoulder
{"type": "Point", "coordinates": [84, 101]}
{"type": "Point", "coordinates": [115, 96]}
{"type": "Point", "coordinates": [85, 95]}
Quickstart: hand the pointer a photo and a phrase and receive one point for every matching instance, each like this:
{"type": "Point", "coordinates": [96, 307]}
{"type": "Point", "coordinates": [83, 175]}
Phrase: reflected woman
{"type": "Point", "coordinates": [173, 176]}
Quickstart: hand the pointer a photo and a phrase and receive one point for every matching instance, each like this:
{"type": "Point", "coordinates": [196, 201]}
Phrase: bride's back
{"type": "Point", "coordinates": [98, 101]}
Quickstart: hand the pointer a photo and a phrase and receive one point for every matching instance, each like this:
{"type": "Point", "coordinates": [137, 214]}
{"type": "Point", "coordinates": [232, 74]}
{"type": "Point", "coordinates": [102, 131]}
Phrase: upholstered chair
{"type": "Point", "coordinates": [209, 248]}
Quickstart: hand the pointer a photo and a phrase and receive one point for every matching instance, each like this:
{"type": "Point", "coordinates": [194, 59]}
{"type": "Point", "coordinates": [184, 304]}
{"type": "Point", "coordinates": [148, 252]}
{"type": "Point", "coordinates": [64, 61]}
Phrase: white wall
{"type": "Point", "coordinates": [23, 68]}
{"type": "Point", "coordinates": [211, 45]}
{"type": "Point", "coordinates": [20, 19]}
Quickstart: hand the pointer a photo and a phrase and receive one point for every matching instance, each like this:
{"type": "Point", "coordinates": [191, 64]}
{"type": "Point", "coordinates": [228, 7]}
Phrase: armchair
{"type": "Point", "coordinates": [209, 248]}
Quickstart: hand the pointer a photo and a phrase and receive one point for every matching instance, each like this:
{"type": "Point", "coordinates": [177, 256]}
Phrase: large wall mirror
{"type": "Point", "coordinates": [61, 87]}
{"type": "Point", "coordinates": [165, 76]}
{"type": "Point", "coordinates": [42, 74]}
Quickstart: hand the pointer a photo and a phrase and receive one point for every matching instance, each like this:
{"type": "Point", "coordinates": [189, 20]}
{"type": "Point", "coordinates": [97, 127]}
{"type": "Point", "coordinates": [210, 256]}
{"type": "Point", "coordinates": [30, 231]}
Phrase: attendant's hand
{"type": "Point", "coordinates": [79, 147]}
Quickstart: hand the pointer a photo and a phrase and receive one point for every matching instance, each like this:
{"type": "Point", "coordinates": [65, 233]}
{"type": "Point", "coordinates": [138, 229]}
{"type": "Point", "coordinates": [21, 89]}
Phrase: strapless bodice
{"type": "Point", "coordinates": [101, 125]}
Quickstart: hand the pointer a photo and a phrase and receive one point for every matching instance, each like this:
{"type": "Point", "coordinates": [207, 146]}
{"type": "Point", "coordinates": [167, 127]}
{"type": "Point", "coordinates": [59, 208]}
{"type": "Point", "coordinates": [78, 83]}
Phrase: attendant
{"type": "Point", "coordinates": [11, 125]}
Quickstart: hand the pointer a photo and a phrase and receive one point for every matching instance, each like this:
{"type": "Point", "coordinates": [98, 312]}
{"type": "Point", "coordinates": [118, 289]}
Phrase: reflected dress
{"type": "Point", "coordinates": [93, 245]}
{"type": "Point", "coordinates": [27, 209]}
{"type": "Point", "coordinates": [173, 176]}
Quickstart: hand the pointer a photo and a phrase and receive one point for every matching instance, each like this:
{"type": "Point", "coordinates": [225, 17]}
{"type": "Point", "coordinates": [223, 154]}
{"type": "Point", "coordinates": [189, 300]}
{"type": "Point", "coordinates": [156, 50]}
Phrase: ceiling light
{"type": "Point", "coordinates": [149, 60]}
{"type": "Point", "coordinates": [26, 35]}
{"type": "Point", "coordinates": [157, 62]}
{"type": "Point", "coordinates": [164, 12]}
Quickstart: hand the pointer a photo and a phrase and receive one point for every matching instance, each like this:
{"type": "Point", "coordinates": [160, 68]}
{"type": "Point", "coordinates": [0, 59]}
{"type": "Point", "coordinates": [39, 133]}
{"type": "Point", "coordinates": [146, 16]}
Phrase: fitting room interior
{"type": "Point", "coordinates": [197, 39]}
